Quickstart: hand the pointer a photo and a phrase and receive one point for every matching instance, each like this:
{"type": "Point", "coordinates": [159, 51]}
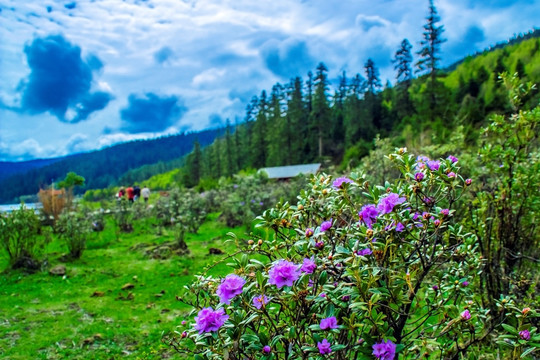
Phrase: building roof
{"type": "Point", "coordinates": [285, 172]}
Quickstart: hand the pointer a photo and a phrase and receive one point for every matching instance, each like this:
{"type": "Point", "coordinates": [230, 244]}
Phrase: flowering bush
{"type": "Point", "coordinates": [350, 272]}
{"type": "Point", "coordinates": [74, 227]}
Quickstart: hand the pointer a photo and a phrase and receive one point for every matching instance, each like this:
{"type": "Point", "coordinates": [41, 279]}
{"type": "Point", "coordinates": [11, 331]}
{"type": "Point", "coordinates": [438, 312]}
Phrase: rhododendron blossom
{"type": "Point", "coordinates": [283, 273]}
{"type": "Point", "coordinates": [229, 288]}
{"type": "Point", "coordinates": [208, 320]}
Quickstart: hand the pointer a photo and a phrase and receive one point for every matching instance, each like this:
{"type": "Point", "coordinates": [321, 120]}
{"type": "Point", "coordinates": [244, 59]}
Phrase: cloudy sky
{"type": "Point", "coordinates": [80, 75]}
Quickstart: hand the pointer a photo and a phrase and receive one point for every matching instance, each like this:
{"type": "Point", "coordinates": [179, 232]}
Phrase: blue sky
{"type": "Point", "coordinates": [80, 75]}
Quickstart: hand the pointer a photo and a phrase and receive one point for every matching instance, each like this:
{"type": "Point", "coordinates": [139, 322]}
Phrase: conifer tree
{"type": "Point", "coordinates": [258, 145]}
{"type": "Point", "coordinates": [403, 65]}
{"type": "Point", "coordinates": [320, 113]}
{"type": "Point", "coordinates": [296, 113]}
{"type": "Point", "coordinates": [430, 57]}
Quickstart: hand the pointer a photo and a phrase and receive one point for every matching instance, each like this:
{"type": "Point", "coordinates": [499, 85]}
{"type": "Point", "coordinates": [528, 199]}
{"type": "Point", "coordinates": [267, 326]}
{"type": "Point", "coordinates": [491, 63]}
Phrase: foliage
{"type": "Point", "coordinates": [505, 216]}
{"type": "Point", "coordinates": [123, 216]}
{"type": "Point", "coordinates": [22, 237]}
{"type": "Point", "coordinates": [186, 208]}
{"type": "Point", "coordinates": [70, 181]}
{"type": "Point", "coordinates": [74, 228]}
{"type": "Point", "coordinates": [408, 273]}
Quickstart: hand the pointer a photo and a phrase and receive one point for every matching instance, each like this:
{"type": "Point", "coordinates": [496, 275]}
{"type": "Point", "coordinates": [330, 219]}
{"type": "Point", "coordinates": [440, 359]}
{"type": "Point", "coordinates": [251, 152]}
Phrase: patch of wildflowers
{"type": "Point", "coordinates": [283, 273]}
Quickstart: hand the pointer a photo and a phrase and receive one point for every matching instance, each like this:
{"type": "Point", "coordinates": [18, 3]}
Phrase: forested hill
{"type": "Point", "coordinates": [103, 168]}
{"type": "Point", "coordinates": [10, 168]}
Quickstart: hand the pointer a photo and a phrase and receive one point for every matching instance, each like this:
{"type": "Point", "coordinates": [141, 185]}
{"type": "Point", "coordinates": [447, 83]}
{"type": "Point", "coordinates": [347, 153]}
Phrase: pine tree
{"type": "Point", "coordinates": [372, 77]}
{"type": "Point", "coordinates": [402, 64]}
{"type": "Point", "coordinates": [230, 150]}
{"type": "Point", "coordinates": [320, 113]}
{"type": "Point", "coordinates": [372, 101]}
{"type": "Point", "coordinates": [430, 58]}
{"type": "Point", "coordinates": [258, 145]}
{"type": "Point", "coordinates": [298, 122]}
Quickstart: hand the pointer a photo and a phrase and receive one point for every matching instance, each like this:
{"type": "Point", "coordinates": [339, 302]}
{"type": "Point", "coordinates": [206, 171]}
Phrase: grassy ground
{"type": "Point", "coordinates": [87, 315]}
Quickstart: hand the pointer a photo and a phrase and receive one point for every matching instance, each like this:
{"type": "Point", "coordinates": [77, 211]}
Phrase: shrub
{"type": "Point", "coordinates": [23, 238]}
{"type": "Point", "coordinates": [53, 202]}
{"type": "Point", "coordinates": [351, 272]}
{"type": "Point", "coordinates": [74, 228]}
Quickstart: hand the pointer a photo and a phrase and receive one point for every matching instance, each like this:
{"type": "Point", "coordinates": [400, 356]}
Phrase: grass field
{"type": "Point", "coordinates": [86, 314]}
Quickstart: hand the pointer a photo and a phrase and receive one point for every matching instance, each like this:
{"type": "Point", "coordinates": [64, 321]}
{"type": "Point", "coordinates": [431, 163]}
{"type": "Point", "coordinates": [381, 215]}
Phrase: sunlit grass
{"type": "Point", "coordinates": [52, 317]}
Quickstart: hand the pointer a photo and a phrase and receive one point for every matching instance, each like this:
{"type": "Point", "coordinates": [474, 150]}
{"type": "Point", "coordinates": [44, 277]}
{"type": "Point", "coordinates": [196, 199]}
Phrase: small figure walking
{"type": "Point", "coordinates": [145, 192]}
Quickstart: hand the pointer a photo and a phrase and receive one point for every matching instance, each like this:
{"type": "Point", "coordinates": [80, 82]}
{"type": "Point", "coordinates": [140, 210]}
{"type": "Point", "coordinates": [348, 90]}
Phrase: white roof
{"type": "Point", "coordinates": [285, 172]}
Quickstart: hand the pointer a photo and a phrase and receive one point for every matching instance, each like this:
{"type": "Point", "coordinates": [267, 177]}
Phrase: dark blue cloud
{"type": "Point", "coordinates": [70, 6]}
{"type": "Point", "coordinates": [287, 59]}
{"type": "Point", "coordinates": [151, 113]}
{"type": "Point", "coordinates": [163, 54]}
{"type": "Point", "coordinates": [215, 120]}
{"type": "Point", "coordinates": [60, 80]}
{"type": "Point", "coordinates": [368, 22]}
{"type": "Point", "coordinates": [468, 44]}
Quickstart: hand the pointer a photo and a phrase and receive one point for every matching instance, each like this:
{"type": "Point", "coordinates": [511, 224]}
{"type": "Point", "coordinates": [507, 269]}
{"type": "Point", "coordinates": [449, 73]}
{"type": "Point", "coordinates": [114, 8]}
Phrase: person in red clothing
{"type": "Point", "coordinates": [121, 193]}
{"type": "Point", "coordinates": [130, 193]}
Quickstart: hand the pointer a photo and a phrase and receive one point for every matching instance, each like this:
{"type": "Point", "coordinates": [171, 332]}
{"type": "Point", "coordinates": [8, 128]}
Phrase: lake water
{"type": "Point", "coordinates": [11, 207]}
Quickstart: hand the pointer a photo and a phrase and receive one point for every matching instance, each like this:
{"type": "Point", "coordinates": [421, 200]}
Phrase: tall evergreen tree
{"type": "Point", "coordinates": [296, 113]}
{"type": "Point", "coordinates": [403, 65]}
{"type": "Point", "coordinates": [230, 151]}
{"type": "Point", "coordinates": [320, 113]}
{"type": "Point", "coordinates": [372, 77]}
{"type": "Point", "coordinates": [258, 145]}
{"type": "Point", "coordinates": [430, 57]}
{"type": "Point", "coordinates": [372, 101]}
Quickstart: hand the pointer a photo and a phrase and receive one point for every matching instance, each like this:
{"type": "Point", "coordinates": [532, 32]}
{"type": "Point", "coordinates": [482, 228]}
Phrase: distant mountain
{"type": "Point", "coordinates": [10, 168]}
{"type": "Point", "coordinates": [100, 168]}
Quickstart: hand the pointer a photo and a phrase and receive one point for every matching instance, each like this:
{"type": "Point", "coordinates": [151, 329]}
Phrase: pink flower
{"type": "Point", "coordinates": [384, 350]}
{"type": "Point", "coordinates": [308, 266]}
{"type": "Point", "coordinates": [433, 165]}
{"type": "Point", "coordinates": [453, 159]}
{"type": "Point", "coordinates": [229, 288]}
{"type": "Point", "coordinates": [283, 273]}
{"type": "Point", "coordinates": [326, 225]}
{"type": "Point", "coordinates": [340, 181]}
{"type": "Point", "coordinates": [208, 320]}
{"type": "Point", "coordinates": [266, 349]}
{"type": "Point", "coordinates": [259, 301]}
{"type": "Point", "coordinates": [368, 214]}
{"type": "Point", "coordinates": [525, 335]}
{"type": "Point", "coordinates": [466, 315]}
{"type": "Point", "coordinates": [324, 347]}
{"type": "Point", "coordinates": [329, 323]}
{"type": "Point", "coordinates": [445, 212]}
{"type": "Point", "coordinates": [309, 232]}
{"type": "Point", "coordinates": [451, 175]}
{"type": "Point", "coordinates": [386, 204]}
{"type": "Point", "coordinates": [419, 176]}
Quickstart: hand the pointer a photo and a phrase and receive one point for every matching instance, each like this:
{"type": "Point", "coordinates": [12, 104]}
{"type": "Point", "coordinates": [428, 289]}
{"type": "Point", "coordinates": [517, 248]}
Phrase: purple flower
{"type": "Point", "coordinates": [229, 288]}
{"type": "Point", "coordinates": [525, 335]}
{"type": "Point", "coordinates": [400, 227]}
{"type": "Point", "coordinates": [434, 165]}
{"type": "Point", "coordinates": [452, 158]}
{"type": "Point", "coordinates": [466, 315]}
{"type": "Point", "coordinates": [324, 347]}
{"type": "Point", "coordinates": [235, 186]}
{"type": "Point", "coordinates": [368, 214]}
{"type": "Point", "coordinates": [468, 182]}
{"type": "Point", "coordinates": [340, 181]}
{"type": "Point", "coordinates": [283, 273]}
{"type": "Point", "coordinates": [266, 349]}
{"type": "Point", "coordinates": [435, 287]}
{"type": "Point", "coordinates": [384, 350]}
{"type": "Point", "coordinates": [364, 252]}
{"type": "Point", "coordinates": [329, 323]}
{"type": "Point", "coordinates": [451, 175]}
{"type": "Point", "coordinates": [445, 212]}
{"type": "Point", "coordinates": [437, 223]}
{"type": "Point", "coordinates": [308, 266]}
{"type": "Point", "coordinates": [309, 232]}
{"type": "Point", "coordinates": [319, 244]}
{"type": "Point", "coordinates": [345, 298]}
{"type": "Point", "coordinates": [326, 225]}
{"type": "Point", "coordinates": [261, 203]}
{"type": "Point", "coordinates": [259, 301]}
{"type": "Point", "coordinates": [419, 176]}
{"type": "Point", "coordinates": [465, 283]}
{"type": "Point", "coordinates": [242, 203]}
{"type": "Point", "coordinates": [386, 205]}
{"type": "Point", "coordinates": [323, 295]}
{"type": "Point", "coordinates": [208, 320]}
